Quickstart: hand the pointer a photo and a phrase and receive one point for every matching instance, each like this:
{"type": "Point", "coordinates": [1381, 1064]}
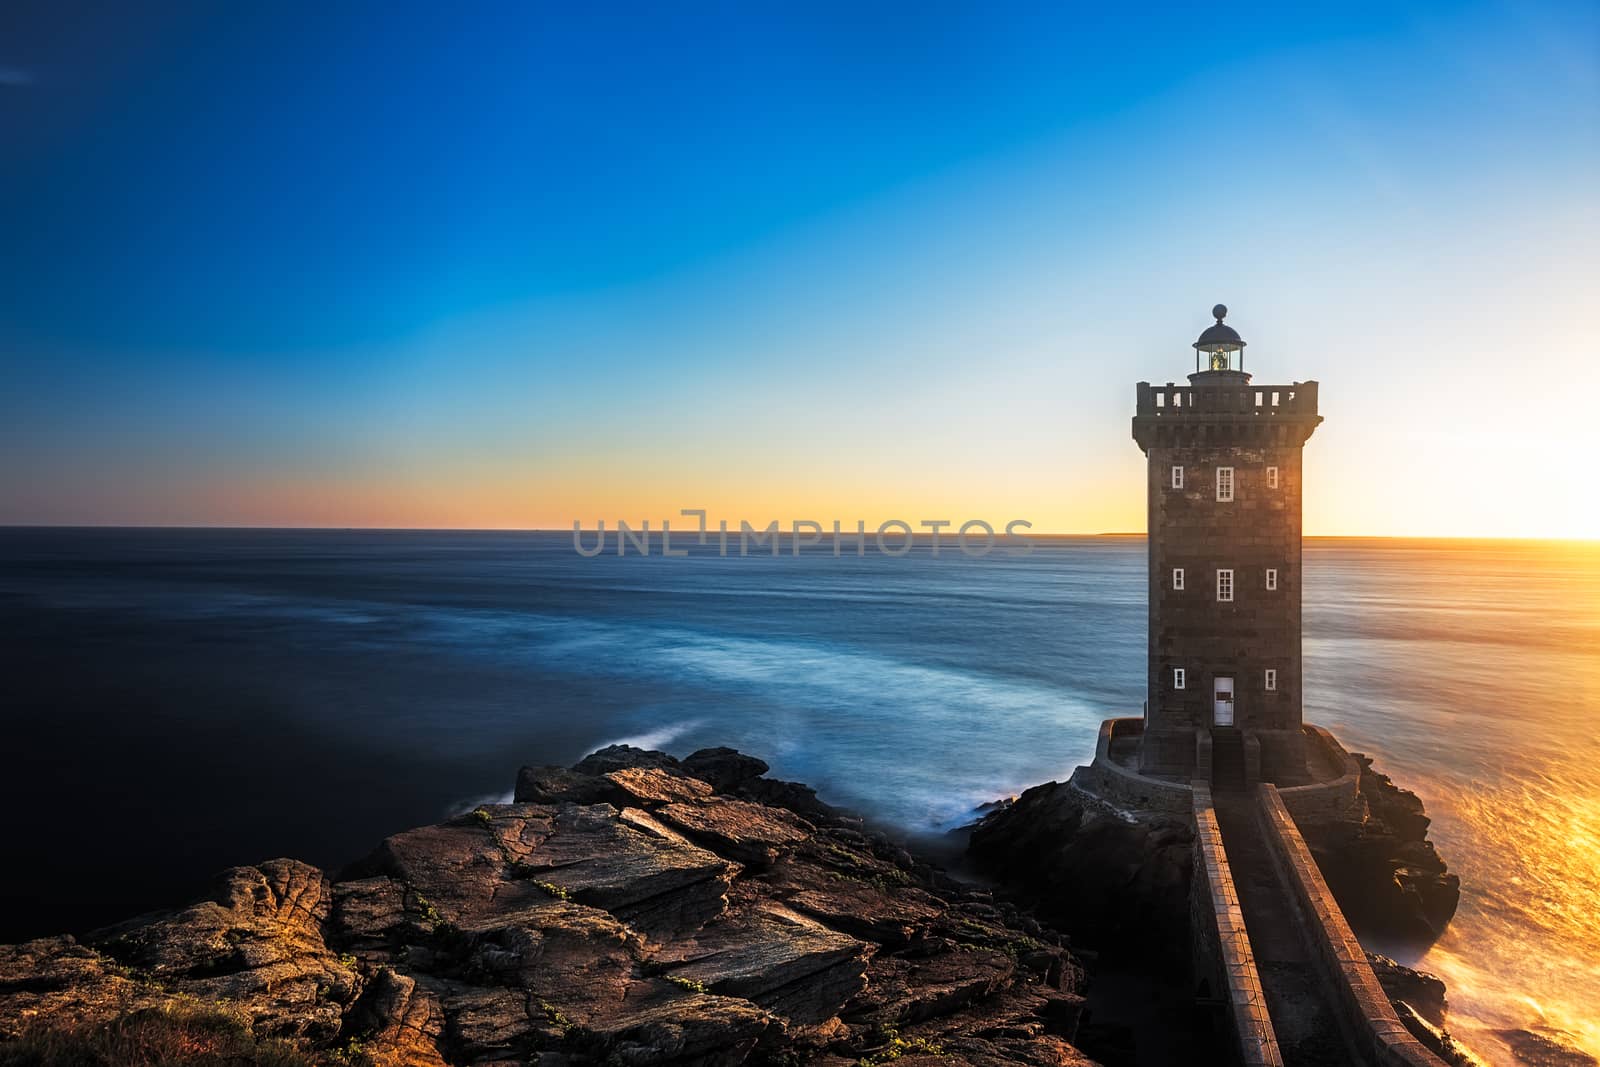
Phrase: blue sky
{"type": "Point", "coordinates": [390, 266]}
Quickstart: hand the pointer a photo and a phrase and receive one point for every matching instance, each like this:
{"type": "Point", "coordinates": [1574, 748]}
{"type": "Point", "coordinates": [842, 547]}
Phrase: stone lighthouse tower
{"type": "Point", "coordinates": [1223, 491]}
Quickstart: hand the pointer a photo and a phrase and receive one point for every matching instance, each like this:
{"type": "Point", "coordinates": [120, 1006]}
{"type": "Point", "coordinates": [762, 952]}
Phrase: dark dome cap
{"type": "Point", "coordinates": [1220, 336]}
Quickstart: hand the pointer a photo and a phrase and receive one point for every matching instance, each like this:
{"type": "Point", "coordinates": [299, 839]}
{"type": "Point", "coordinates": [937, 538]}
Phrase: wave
{"type": "Point", "coordinates": [658, 738]}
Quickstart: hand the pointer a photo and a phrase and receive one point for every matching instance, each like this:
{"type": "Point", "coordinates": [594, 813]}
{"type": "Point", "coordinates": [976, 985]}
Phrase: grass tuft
{"type": "Point", "coordinates": [171, 1036]}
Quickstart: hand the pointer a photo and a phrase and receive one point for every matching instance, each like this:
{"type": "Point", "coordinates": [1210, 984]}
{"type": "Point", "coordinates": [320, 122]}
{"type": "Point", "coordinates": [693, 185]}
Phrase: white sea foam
{"type": "Point", "coordinates": [657, 739]}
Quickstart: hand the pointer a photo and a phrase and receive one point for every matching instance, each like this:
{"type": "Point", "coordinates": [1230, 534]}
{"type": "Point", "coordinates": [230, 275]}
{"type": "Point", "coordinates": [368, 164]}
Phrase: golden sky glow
{"type": "Point", "coordinates": [952, 331]}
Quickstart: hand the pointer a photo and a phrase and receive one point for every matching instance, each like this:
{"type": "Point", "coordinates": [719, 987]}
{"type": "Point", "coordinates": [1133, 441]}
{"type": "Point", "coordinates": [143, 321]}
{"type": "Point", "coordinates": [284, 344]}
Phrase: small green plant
{"type": "Point", "coordinates": [554, 1016]}
{"type": "Point", "coordinates": [889, 880]}
{"type": "Point", "coordinates": [899, 1046]}
{"type": "Point", "coordinates": [861, 868]}
{"type": "Point", "coordinates": [483, 817]}
{"type": "Point", "coordinates": [969, 928]}
{"type": "Point", "coordinates": [347, 961]}
{"type": "Point", "coordinates": [353, 1054]}
{"type": "Point", "coordinates": [688, 983]}
{"type": "Point", "coordinates": [559, 892]}
{"type": "Point", "coordinates": [429, 912]}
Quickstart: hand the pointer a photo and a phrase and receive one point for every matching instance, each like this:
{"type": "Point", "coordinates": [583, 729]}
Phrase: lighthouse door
{"type": "Point", "coordinates": [1223, 693]}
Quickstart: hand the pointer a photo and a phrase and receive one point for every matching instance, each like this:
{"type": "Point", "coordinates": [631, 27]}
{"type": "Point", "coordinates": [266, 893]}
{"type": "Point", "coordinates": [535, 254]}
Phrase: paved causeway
{"type": "Point", "coordinates": [1304, 1016]}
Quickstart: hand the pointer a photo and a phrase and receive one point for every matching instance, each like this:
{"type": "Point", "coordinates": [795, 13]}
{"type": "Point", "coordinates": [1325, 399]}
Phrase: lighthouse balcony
{"type": "Point", "coordinates": [1297, 400]}
{"type": "Point", "coordinates": [1168, 416]}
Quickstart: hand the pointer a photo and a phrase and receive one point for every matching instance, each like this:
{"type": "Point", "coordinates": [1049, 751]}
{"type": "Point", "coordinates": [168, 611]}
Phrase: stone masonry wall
{"type": "Point", "coordinates": [1365, 1011]}
{"type": "Point", "coordinates": [1335, 799]}
{"type": "Point", "coordinates": [1190, 628]}
{"type": "Point", "coordinates": [1222, 953]}
{"type": "Point", "coordinates": [1121, 787]}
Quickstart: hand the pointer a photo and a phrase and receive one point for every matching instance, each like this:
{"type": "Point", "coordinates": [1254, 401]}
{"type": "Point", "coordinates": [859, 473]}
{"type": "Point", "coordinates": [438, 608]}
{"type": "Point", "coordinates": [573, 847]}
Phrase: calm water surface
{"type": "Point", "coordinates": [178, 701]}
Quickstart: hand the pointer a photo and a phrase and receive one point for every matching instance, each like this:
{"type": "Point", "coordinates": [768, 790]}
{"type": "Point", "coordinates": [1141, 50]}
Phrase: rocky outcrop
{"type": "Point", "coordinates": [1118, 884]}
{"type": "Point", "coordinates": [1390, 881]}
{"type": "Point", "coordinates": [1435, 1038]}
{"type": "Point", "coordinates": [1120, 881]}
{"type": "Point", "coordinates": [724, 769]}
{"type": "Point", "coordinates": [635, 909]}
{"type": "Point", "coordinates": [1545, 1048]}
{"type": "Point", "coordinates": [1420, 991]}
{"type": "Point", "coordinates": [1419, 1001]}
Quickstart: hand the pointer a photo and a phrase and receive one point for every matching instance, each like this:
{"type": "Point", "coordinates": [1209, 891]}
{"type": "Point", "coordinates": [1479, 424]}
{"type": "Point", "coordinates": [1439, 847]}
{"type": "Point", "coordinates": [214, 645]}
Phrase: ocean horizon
{"type": "Point", "coordinates": [188, 699]}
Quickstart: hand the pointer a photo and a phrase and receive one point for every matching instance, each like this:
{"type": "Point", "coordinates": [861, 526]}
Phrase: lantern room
{"type": "Point", "coordinates": [1219, 353]}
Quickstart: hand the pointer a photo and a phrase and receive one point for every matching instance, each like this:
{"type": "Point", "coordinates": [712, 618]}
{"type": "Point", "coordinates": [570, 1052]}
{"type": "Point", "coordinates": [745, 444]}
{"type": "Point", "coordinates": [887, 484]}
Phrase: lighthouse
{"type": "Point", "coordinates": [1223, 491]}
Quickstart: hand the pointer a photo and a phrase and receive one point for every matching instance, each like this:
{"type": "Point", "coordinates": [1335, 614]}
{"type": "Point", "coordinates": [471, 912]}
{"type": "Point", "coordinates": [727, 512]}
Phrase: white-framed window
{"type": "Point", "coordinates": [1177, 477]}
{"type": "Point", "coordinates": [1178, 678]}
{"type": "Point", "coordinates": [1224, 585]}
{"type": "Point", "coordinates": [1272, 578]}
{"type": "Point", "coordinates": [1224, 484]}
{"type": "Point", "coordinates": [1272, 679]}
{"type": "Point", "coordinates": [1272, 477]}
{"type": "Point", "coordinates": [1177, 578]}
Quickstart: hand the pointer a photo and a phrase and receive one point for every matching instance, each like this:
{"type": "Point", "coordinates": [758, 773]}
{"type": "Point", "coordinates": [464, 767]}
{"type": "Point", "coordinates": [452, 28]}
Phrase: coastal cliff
{"type": "Point", "coordinates": [1121, 879]}
{"type": "Point", "coordinates": [634, 909]}
{"type": "Point", "coordinates": [1123, 882]}
{"type": "Point", "coordinates": [1389, 879]}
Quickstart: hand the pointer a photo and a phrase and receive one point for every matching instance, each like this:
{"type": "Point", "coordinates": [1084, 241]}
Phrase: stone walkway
{"type": "Point", "coordinates": [1306, 1027]}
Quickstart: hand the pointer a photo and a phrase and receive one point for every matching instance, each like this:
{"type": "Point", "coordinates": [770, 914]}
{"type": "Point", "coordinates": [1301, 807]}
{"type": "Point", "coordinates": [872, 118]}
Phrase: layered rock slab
{"type": "Point", "coordinates": [634, 909]}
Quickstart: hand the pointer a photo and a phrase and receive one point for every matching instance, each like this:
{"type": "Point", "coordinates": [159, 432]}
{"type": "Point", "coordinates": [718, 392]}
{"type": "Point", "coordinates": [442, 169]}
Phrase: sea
{"type": "Point", "coordinates": [179, 701]}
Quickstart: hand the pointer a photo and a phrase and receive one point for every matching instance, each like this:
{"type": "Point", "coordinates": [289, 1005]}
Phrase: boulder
{"type": "Point", "coordinates": [1118, 884]}
{"type": "Point", "coordinates": [255, 941]}
{"type": "Point", "coordinates": [624, 757]}
{"type": "Point", "coordinates": [774, 957]}
{"type": "Point", "coordinates": [724, 769]}
{"type": "Point", "coordinates": [1434, 1038]}
{"type": "Point", "coordinates": [752, 834]}
{"type": "Point", "coordinates": [554, 785]}
{"type": "Point", "coordinates": [395, 1015]}
{"type": "Point", "coordinates": [58, 979]}
{"type": "Point", "coordinates": [1423, 992]}
{"type": "Point", "coordinates": [648, 786]}
{"type": "Point", "coordinates": [667, 1025]}
{"type": "Point", "coordinates": [798, 798]}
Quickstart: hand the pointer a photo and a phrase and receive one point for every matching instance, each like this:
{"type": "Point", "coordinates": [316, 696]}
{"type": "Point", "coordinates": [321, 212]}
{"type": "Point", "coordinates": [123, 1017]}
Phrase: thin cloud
{"type": "Point", "coordinates": [15, 77]}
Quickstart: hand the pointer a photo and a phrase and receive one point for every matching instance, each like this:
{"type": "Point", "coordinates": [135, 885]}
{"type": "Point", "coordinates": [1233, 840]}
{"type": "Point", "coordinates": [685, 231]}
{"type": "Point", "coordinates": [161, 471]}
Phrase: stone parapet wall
{"type": "Point", "coordinates": [1222, 952]}
{"type": "Point", "coordinates": [1132, 792]}
{"type": "Point", "coordinates": [1124, 787]}
{"type": "Point", "coordinates": [1335, 800]}
{"type": "Point", "coordinates": [1365, 1012]}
